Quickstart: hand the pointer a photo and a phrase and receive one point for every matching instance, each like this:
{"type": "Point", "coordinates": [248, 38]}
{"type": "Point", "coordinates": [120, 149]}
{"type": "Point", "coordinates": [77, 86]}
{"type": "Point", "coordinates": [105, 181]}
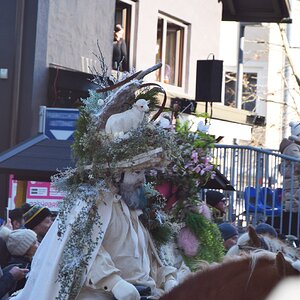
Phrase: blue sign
{"type": "Point", "coordinates": [60, 123]}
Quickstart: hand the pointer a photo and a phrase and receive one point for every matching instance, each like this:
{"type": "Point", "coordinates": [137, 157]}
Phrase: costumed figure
{"type": "Point", "coordinates": [291, 170]}
{"type": "Point", "coordinates": [98, 248]}
{"type": "Point", "coordinates": [113, 237]}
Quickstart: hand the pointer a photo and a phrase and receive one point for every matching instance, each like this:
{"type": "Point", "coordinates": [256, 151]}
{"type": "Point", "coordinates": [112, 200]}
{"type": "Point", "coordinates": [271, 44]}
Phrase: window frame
{"type": "Point", "coordinates": [245, 72]}
{"type": "Point", "coordinates": [129, 27]}
{"type": "Point", "coordinates": [184, 46]}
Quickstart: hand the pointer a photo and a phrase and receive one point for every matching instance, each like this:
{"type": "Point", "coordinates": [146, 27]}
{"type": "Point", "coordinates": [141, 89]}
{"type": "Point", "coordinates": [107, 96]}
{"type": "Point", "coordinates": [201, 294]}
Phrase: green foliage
{"type": "Point", "coordinates": [80, 243]}
{"type": "Point", "coordinates": [154, 218]}
{"type": "Point", "coordinates": [81, 130]}
{"type": "Point", "coordinates": [162, 234]}
{"type": "Point", "coordinates": [194, 139]}
{"type": "Point", "coordinates": [204, 115]}
{"type": "Point", "coordinates": [150, 94]}
{"type": "Point", "coordinates": [211, 243]}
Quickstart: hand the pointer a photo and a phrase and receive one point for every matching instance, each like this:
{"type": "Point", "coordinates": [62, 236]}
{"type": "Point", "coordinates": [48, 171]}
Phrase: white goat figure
{"type": "Point", "coordinates": [118, 124]}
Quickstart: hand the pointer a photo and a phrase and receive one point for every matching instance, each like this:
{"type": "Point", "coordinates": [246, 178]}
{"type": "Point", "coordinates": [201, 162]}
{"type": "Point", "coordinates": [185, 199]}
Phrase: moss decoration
{"type": "Point", "coordinates": [211, 243]}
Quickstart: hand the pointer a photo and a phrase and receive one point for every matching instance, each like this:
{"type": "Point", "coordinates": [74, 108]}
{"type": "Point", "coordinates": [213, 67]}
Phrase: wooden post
{"type": "Point", "coordinates": [21, 192]}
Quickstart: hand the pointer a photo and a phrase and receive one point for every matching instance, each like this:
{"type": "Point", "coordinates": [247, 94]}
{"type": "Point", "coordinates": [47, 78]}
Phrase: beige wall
{"type": "Point", "coordinates": [204, 32]}
{"type": "Point", "coordinates": [74, 28]}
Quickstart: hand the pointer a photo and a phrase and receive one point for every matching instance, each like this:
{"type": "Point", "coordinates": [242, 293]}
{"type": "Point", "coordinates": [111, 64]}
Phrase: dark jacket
{"type": "Point", "coordinates": [119, 55]}
{"type": "Point", "coordinates": [23, 263]}
{"type": "Point", "coordinates": [7, 282]}
{"type": "Point", "coordinates": [4, 254]}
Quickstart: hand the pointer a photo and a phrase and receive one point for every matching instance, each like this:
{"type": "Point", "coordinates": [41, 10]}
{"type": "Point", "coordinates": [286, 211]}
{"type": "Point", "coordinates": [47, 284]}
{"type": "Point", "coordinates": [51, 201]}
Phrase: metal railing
{"type": "Point", "coordinates": [266, 186]}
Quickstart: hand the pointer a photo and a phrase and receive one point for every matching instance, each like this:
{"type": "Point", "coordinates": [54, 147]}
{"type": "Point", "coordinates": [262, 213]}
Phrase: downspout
{"type": "Point", "coordinates": [20, 11]}
{"type": "Point", "coordinates": [287, 96]}
{"type": "Point", "coordinates": [288, 38]}
{"type": "Point", "coordinates": [240, 68]}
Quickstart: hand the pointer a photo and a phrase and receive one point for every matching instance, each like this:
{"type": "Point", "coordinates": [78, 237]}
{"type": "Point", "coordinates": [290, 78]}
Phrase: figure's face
{"type": "Point", "coordinates": [134, 178]}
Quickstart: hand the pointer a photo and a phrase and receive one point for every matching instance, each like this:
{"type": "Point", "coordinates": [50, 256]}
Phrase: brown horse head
{"type": "Point", "coordinates": [241, 277]}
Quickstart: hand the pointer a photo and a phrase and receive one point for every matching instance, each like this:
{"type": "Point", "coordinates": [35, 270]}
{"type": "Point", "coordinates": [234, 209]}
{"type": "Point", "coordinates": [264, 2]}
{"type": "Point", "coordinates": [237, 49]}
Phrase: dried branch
{"type": "Point", "coordinates": [100, 78]}
{"type": "Point", "coordinates": [138, 75]}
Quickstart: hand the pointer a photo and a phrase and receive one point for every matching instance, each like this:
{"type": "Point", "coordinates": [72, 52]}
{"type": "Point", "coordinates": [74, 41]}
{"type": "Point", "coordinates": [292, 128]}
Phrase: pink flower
{"type": "Point", "coordinates": [197, 169]}
{"type": "Point", "coordinates": [188, 242]}
{"type": "Point", "coordinates": [194, 156]}
{"type": "Point", "coordinates": [188, 165]}
{"type": "Point", "coordinates": [205, 211]}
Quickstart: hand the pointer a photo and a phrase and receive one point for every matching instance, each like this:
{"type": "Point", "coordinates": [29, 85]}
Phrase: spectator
{"type": "Point", "coordinates": [217, 202]}
{"type": "Point", "coordinates": [39, 219]}
{"type": "Point", "coordinates": [5, 255]}
{"type": "Point", "coordinates": [25, 207]}
{"type": "Point", "coordinates": [22, 245]}
{"type": "Point", "coordinates": [17, 219]}
{"type": "Point", "coordinates": [8, 279]}
{"type": "Point", "coordinates": [119, 59]}
{"type": "Point", "coordinates": [229, 234]}
{"type": "Point", "coordinates": [9, 276]}
{"type": "Point", "coordinates": [291, 171]}
{"type": "Point", "coordinates": [264, 228]}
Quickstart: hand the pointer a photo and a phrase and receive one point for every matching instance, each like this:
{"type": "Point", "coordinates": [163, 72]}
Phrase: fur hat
{"type": "Point", "coordinates": [264, 228]}
{"type": "Point", "coordinates": [214, 197]}
{"type": "Point", "coordinates": [295, 130]}
{"type": "Point", "coordinates": [35, 215]}
{"type": "Point", "coordinates": [227, 231]}
{"type": "Point", "coordinates": [19, 241]}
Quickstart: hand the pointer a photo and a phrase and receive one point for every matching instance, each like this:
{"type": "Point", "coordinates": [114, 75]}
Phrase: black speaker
{"type": "Point", "coordinates": [209, 80]}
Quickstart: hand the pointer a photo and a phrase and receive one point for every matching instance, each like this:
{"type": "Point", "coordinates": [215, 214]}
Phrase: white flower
{"type": "Point", "coordinates": [202, 127]}
{"type": "Point", "coordinates": [165, 123]}
{"type": "Point", "coordinates": [100, 102]}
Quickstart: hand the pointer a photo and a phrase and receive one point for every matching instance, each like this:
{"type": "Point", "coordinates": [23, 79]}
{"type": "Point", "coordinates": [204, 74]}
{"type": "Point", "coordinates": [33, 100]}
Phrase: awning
{"type": "Point", "coordinates": [269, 11]}
{"type": "Point", "coordinates": [37, 159]}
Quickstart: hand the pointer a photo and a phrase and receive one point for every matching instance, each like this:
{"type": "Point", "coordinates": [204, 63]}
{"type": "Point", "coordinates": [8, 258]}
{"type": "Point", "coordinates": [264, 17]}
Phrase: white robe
{"type": "Point", "coordinates": [124, 251]}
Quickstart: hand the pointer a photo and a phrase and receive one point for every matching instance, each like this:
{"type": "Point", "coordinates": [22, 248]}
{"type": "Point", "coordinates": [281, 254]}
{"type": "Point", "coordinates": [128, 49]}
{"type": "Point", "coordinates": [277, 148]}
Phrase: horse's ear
{"type": "Point", "coordinates": [281, 264]}
{"type": "Point", "coordinates": [254, 238]}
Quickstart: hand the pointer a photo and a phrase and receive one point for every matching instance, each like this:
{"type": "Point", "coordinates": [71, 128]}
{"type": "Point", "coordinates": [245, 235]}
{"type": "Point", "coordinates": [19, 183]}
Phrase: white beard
{"type": "Point", "coordinates": [132, 190]}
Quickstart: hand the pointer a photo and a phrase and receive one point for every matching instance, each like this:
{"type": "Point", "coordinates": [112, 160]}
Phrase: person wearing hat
{"type": "Point", "coordinates": [22, 245]}
{"type": "Point", "coordinates": [229, 234]}
{"type": "Point", "coordinates": [17, 218]}
{"type": "Point", "coordinates": [264, 228]}
{"type": "Point", "coordinates": [291, 171]}
{"type": "Point", "coordinates": [217, 202]}
{"type": "Point", "coordinates": [38, 219]}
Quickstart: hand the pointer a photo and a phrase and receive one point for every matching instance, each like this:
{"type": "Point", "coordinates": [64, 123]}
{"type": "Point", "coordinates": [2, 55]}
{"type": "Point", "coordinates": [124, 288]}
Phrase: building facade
{"type": "Point", "coordinates": [50, 49]}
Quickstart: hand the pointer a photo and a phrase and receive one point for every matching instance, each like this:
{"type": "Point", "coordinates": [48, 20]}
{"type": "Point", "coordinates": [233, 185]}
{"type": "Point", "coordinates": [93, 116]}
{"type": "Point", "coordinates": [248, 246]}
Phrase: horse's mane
{"type": "Point", "coordinates": [239, 277]}
{"type": "Point", "coordinates": [269, 243]}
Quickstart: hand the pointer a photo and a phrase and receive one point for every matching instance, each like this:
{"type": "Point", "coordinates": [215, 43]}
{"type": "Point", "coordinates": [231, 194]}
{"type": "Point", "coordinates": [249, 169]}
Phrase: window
{"type": "Point", "coordinates": [170, 46]}
{"type": "Point", "coordinates": [124, 16]}
{"type": "Point", "coordinates": [249, 95]}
